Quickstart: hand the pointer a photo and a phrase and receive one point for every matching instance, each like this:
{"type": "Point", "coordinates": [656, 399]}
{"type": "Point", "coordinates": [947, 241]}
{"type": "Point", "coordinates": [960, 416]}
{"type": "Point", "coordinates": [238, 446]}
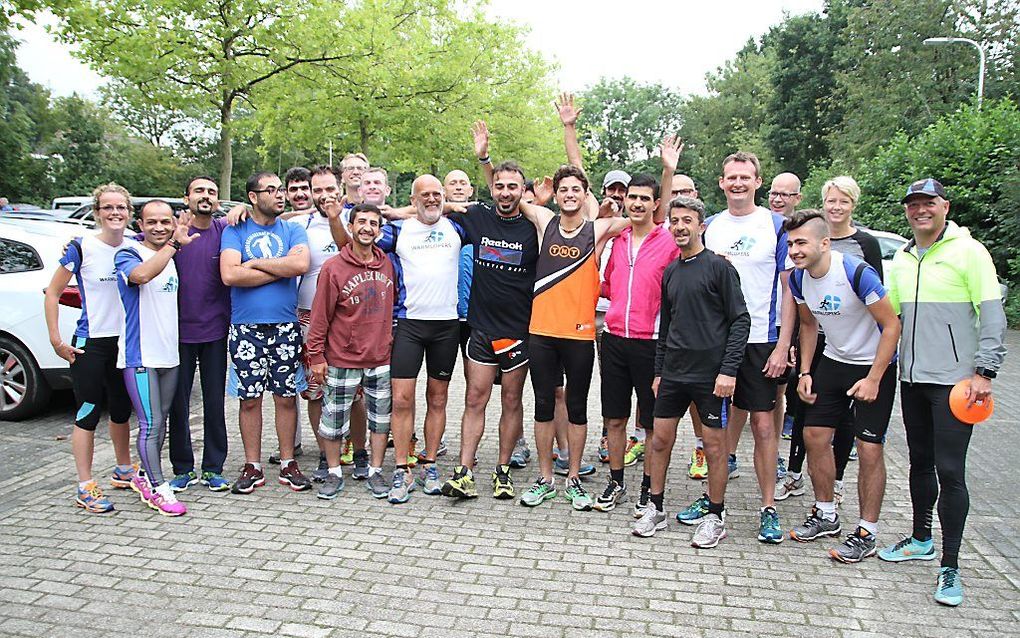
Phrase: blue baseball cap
{"type": "Point", "coordinates": [929, 186]}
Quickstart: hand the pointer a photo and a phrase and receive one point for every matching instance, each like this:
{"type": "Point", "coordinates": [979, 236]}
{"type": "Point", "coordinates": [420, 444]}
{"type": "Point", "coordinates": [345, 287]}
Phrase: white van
{"type": "Point", "coordinates": [69, 203]}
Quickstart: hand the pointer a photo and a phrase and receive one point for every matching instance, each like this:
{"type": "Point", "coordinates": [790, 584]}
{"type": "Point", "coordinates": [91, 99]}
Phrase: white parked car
{"type": "Point", "coordinates": [29, 369]}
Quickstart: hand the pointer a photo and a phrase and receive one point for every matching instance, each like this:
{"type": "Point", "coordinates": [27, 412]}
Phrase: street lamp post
{"type": "Point", "coordinates": [981, 54]}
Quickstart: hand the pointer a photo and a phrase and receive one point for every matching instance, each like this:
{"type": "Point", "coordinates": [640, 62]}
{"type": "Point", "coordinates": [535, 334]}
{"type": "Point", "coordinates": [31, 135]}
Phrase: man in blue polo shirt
{"type": "Point", "coordinates": [261, 258]}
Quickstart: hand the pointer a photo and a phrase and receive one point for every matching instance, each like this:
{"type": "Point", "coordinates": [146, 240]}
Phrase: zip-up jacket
{"type": "Point", "coordinates": [634, 287]}
{"type": "Point", "coordinates": [352, 313]}
{"type": "Point", "coordinates": [948, 299]}
{"type": "Point", "coordinates": [705, 323]}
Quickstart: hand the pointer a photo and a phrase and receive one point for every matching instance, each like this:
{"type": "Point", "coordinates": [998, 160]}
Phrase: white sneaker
{"type": "Point", "coordinates": [650, 522]}
{"type": "Point", "coordinates": [837, 492]}
{"type": "Point", "coordinates": [788, 487]}
{"type": "Point", "coordinates": [711, 530]}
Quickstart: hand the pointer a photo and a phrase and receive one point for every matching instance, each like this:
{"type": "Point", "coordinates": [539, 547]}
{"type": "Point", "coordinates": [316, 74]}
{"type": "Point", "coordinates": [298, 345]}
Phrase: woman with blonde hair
{"type": "Point", "coordinates": [92, 351]}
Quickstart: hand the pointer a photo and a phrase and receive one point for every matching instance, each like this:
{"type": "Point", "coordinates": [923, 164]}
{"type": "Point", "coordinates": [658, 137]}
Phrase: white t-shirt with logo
{"type": "Point", "coordinates": [149, 335]}
{"type": "Point", "coordinates": [851, 333]}
{"type": "Point", "coordinates": [320, 248]}
{"type": "Point", "coordinates": [102, 314]}
{"type": "Point", "coordinates": [425, 261]}
{"type": "Point", "coordinates": [756, 246]}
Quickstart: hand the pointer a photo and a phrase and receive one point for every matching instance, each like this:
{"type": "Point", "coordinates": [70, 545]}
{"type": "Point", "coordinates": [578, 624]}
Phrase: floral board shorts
{"type": "Point", "coordinates": [265, 356]}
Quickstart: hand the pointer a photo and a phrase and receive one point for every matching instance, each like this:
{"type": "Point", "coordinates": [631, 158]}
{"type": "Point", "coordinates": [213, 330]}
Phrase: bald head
{"type": "Point", "coordinates": [427, 198]}
{"type": "Point", "coordinates": [458, 186]}
{"type": "Point", "coordinates": [784, 196]}
{"type": "Point", "coordinates": [683, 185]}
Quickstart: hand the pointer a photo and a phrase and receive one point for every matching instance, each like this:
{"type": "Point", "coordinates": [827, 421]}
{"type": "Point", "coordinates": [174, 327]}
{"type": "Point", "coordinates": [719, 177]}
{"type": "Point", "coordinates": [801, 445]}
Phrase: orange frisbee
{"type": "Point", "coordinates": [976, 413]}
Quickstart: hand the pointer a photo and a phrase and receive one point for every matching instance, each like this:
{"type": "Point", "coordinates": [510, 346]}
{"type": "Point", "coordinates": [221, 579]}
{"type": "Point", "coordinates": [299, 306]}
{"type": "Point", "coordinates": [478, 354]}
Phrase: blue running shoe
{"type": "Point", "coordinates": [562, 468]}
{"type": "Point", "coordinates": [215, 482]}
{"type": "Point", "coordinates": [91, 499]}
{"type": "Point", "coordinates": [770, 531]}
{"type": "Point", "coordinates": [909, 548]}
{"type": "Point", "coordinates": [733, 467]}
{"type": "Point", "coordinates": [694, 512]}
{"type": "Point", "coordinates": [787, 427]}
{"type": "Point", "coordinates": [183, 481]}
{"type": "Point", "coordinates": [521, 455]}
{"type": "Point", "coordinates": [948, 588]}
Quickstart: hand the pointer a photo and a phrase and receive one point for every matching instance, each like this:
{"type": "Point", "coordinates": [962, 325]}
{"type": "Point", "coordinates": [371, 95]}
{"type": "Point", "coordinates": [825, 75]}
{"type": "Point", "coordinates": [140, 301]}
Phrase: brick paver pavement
{"type": "Point", "coordinates": [288, 564]}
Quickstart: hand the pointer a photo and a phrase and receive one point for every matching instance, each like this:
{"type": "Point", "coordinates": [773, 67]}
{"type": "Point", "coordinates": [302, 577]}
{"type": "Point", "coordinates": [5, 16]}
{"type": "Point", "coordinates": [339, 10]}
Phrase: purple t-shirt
{"type": "Point", "coordinates": [203, 301]}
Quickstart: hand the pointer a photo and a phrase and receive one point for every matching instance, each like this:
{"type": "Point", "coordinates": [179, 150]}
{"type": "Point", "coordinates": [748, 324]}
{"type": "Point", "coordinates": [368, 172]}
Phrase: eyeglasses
{"type": "Point", "coordinates": [109, 208]}
{"type": "Point", "coordinates": [774, 194]}
{"type": "Point", "coordinates": [684, 191]}
{"type": "Point", "coordinates": [354, 168]}
{"type": "Point", "coordinates": [269, 190]}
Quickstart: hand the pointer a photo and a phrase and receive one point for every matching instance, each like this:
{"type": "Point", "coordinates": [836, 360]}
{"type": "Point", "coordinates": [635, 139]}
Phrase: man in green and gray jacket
{"type": "Point", "coordinates": [943, 285]}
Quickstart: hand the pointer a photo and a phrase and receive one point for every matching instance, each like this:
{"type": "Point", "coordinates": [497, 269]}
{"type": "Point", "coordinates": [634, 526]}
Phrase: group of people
{"type": "Point", "coordinates": [342, 299]}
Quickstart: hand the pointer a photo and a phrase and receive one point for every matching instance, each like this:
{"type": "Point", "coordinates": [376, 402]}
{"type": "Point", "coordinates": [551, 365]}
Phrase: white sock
{"type": "Point", "coordinates": [257, 466]}
{"type": "Point", "coordinates": [699, 443]}
{"type": "Point", "coordinates": [868, 525]}
{"type": "Point", "coordinates": [372, 471]}
{"type": "Point", "coordinates": [639, 434]}
{"type": "Point", "coordinates": [838, 485]}
{"type": "Point", "coordinates": [285, 462]}
{"type": "Point", "coordinates": [827, 509]}
{"type": "Point", "coordinates": [337, 471]}
{"type": "Point", "coordinates": [795, 475]}
{"type": "Point", "coordinates": [82, 484]}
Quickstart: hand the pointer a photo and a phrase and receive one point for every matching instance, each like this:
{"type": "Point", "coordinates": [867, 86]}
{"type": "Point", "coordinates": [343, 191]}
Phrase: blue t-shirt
{"type": "Point", "coordinates": [275, 302]}
{"type": "Point", "coordinates": [839, 300]}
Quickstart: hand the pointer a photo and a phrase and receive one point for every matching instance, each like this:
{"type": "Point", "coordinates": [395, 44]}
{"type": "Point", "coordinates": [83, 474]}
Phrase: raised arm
{"type": "Point", "coordinates": [480, 133]}
{"type": "Point", "coordinates": [540, 216]}
{"type": "Point", "coordinates": [669, 150]}
{"type": "Point", "coordinates": [568, 117]}
{"type": "Point", "coordinates": [333, 206]}
{"type": "Point", "coordinates": [144, 272]}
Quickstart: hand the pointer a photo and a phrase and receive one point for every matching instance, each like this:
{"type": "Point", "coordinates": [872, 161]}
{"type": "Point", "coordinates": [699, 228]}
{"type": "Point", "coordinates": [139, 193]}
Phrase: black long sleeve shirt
{"type": "Point", "coordinates": [704, 323]}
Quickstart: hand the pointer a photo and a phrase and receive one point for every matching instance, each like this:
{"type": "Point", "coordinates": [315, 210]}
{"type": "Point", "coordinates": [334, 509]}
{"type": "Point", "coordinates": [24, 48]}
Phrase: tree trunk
{"type": "Point", "coordinates": [363, 130]}
{"type": "Point", "coordinates": [226, 153]}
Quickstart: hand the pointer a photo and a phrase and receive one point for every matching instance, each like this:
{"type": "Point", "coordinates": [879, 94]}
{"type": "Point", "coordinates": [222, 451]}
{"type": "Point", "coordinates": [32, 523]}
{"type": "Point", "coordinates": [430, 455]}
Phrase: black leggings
{"type": "Point", "coordinates": [937, 442]}
{"type": "Point", "coordinates": [551, 357]}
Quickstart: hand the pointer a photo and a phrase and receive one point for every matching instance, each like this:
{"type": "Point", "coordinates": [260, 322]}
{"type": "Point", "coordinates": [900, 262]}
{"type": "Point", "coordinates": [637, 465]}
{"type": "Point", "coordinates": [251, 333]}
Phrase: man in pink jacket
{"type": "Point", "coordinates": [633, 281]}
{"type": "Point", "coordinates": [349, 342]}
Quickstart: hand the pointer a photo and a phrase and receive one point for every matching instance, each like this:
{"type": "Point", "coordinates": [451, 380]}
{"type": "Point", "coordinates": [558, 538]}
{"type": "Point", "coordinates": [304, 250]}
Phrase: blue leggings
{"type": "Point", "coordinates": [152, 392]}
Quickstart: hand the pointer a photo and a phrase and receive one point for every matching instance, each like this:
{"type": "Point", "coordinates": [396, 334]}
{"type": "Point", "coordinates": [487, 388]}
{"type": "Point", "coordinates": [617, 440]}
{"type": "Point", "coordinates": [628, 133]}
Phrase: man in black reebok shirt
{"type": "Point", "coordinates": [499, 311]}
{"type": "Point", "coordinates": [703, 331]}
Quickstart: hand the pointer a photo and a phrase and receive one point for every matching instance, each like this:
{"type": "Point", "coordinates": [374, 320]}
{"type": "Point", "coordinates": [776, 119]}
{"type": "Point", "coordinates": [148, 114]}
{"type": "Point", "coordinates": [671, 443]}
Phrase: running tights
{"type": "Point", "coordinates": [937, 442]}
{"type": "Point", "coordinates": [152, 392]}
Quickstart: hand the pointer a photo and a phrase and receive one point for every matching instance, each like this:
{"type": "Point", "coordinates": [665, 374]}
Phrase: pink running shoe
{"type": "Point", "coordinates": [141, 486]}
{"type": "Point", "coordinates": [162, 499]}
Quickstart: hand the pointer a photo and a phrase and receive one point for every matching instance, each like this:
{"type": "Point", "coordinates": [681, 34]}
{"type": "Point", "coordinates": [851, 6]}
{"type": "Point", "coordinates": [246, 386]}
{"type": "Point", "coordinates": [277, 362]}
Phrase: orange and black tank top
{"type": "Point", "coordinates": [566, 284]}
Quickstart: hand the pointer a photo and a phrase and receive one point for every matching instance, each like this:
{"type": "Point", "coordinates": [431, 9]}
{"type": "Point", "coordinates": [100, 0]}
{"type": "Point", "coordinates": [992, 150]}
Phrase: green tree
{"type": "Point", "coordinates": [138, 108]}
{"type": "Point", "coordinates": [731, 117]}
{"type": "Point", "coordinates": [623, 121]}
{"type": "Point", "coordinates": [408, 100]}
{"type": "Point", "coordinates": [801, 112]}
{"type": "Point", "coordinates": [890, 80]}
{"type": "Point", "coordinates": [976, 156]}
{"type": "Point", "coordinates": [208, 58]}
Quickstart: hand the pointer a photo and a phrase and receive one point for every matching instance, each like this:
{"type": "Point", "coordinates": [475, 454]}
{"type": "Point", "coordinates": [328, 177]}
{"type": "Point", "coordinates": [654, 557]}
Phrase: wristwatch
{"type": "Point", "coordinates": [986, 373]}
{"type": "Point", "coordinates": [803, 374]}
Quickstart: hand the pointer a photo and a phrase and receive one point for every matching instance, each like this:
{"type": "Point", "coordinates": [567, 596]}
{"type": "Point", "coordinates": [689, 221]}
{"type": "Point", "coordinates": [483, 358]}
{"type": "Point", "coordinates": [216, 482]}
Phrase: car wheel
{"type": "Point", "coordinates": [23, 391]}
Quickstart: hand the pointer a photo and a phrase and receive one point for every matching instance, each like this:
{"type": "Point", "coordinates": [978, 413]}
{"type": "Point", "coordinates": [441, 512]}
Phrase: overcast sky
{"type": "Point", "coordinates": [674, 42]}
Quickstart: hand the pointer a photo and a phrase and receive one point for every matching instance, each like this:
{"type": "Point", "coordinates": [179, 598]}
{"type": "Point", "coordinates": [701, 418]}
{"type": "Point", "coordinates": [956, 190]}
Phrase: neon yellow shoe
{"type": "Point", "coordinates": [698, 467]}
{"type": "Point", "coordinates": [635, 452]}
{"type": "Point", "coordinates": [347, 458]}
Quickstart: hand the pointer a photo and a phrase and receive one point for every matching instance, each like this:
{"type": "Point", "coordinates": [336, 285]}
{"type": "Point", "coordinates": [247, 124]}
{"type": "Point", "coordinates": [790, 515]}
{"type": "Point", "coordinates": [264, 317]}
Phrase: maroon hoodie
{"type": "Point", "coordinates": [352, 313]}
